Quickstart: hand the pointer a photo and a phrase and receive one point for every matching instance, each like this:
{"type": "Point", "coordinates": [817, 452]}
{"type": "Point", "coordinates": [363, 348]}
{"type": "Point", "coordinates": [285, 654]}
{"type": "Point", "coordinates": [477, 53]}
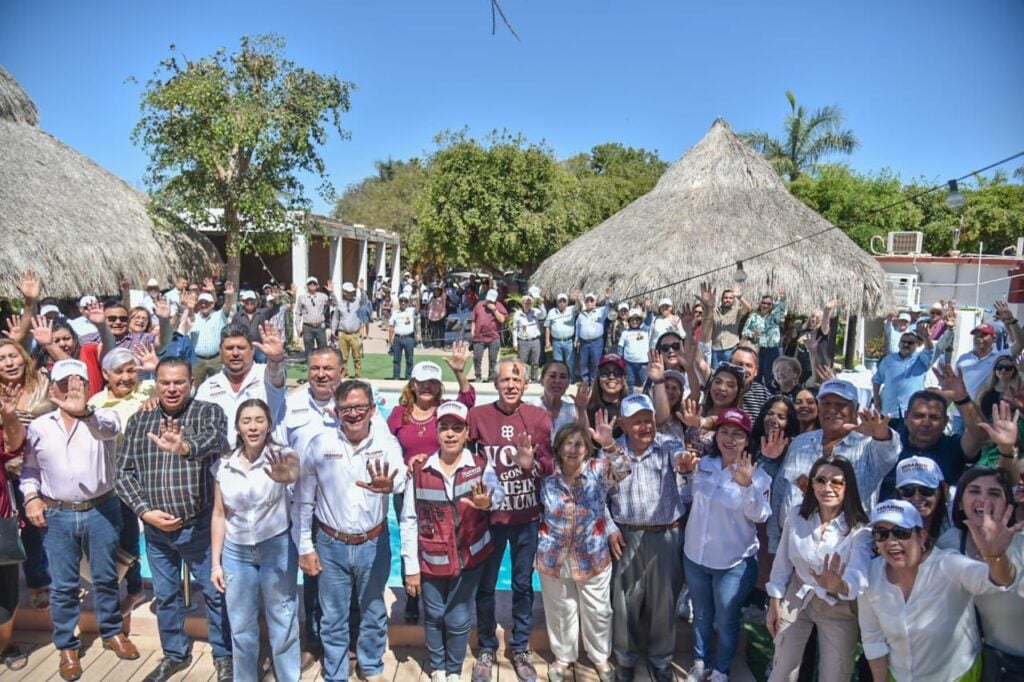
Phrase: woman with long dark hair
{"type": "Point", "coordinates": [806, 402]}
{"type": "Point", "coordinates": [919, 482]}
{"type": "Point", "coordinates": [57, 340]}
{"type": "Point", "coordinates": [609, 391]}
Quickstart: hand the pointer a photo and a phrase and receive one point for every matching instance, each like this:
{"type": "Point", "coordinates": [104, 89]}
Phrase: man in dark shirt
{"type": "Point", "coordinates": [252, 317]}
{"type": "Point", "coordinates": [164, 476]}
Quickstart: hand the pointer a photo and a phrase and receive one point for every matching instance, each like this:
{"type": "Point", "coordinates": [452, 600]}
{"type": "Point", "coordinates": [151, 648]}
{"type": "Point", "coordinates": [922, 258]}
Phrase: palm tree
{"type": "Point", "coordinates": [808, 138]}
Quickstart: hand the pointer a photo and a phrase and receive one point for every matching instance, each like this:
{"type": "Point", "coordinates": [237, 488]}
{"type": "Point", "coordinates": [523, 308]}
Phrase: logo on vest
{"type": "Point", "coordinates": [508, 432]}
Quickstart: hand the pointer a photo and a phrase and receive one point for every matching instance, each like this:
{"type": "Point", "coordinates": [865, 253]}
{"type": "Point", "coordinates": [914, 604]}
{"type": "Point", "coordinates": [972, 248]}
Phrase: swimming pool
{"type": "Point", "coordinates": [386, 401]}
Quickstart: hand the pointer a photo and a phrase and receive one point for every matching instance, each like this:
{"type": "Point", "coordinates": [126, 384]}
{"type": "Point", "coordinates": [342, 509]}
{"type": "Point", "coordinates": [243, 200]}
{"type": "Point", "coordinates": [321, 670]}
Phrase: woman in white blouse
{"type": "Point", "coordinates": [554, 378]}
{"type": "Point", "coordinates": [916, 616]}
{"type": "Point", "coordinates": [819, 570]}
{"type": "Point", "coordinates": [253, 554]}
{"type": "Point", "coordinates": [730, 495]}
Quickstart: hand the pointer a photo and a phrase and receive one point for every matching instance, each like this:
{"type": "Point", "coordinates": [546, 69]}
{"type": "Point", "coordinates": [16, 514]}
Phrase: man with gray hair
{"type": "Point", "coordinates": [345, 326]}
{"type": "Point", "coordinates": [526, 330]}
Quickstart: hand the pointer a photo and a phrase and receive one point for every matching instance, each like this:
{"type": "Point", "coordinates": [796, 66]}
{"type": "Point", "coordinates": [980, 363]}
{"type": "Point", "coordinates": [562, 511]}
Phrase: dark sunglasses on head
{"type": "Point", "coordinates": [117, 318]}
{"type": "Point", "coordinates": [882, 534]}
{"type": "Point", "coordinates": [611, 372]}
{"type": "Point", "coordinates": [911, 489]}
{"type": "Point", "coordinates": [666, 347]}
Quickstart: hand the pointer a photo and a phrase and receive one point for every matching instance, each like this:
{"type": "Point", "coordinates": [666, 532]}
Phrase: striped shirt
{"type": "Point", "coordinates": [649, 496]}
{"type": "Point", "coordinates": [149, 478]}
{"type": "Point", "coordinates": [206, 333]}
{"type": "Point", "coordinates": [311, 309]}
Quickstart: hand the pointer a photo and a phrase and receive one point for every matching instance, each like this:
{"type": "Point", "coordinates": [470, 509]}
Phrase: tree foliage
{"type": "Point", "coordinates": [612, 176]}
{"type": "Point", "coordinates": [387, 199]}
{"type": "Point", "coordinates": [233, 131]}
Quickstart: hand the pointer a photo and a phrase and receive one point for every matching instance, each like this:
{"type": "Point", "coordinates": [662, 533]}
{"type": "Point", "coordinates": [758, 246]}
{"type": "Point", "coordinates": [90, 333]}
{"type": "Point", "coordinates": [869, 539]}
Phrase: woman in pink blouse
{"type": "Point", "coordinates": [414, 422]}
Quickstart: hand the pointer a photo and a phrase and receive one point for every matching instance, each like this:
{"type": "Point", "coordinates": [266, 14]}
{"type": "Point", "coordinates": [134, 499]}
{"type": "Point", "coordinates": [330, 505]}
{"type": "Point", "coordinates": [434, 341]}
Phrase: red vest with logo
{"type": "Point", "coordinates": [453, 536]}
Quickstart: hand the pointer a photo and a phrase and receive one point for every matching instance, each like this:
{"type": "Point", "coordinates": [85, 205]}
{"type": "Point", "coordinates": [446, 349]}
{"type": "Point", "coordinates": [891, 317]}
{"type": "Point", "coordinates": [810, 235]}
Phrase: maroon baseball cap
{"type": "Point", "coordinates": [984, 329]}
{"type": "Point", "coordinates": [735, 416]}
{"type": "Point", "coordinates": [612, 359]}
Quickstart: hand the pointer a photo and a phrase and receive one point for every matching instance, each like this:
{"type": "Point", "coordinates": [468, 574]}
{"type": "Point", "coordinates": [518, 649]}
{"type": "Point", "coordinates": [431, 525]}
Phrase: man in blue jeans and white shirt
{"type": "Point", "coordinates": [560, 324]}
{"type": "Point", "coordinates": [590, 334]}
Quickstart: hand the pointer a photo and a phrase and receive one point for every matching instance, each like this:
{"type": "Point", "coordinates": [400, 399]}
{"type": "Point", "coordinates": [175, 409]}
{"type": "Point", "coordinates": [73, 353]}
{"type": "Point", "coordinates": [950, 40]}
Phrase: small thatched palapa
{"type": "Point", "coordinates": [78, 226]}
{"type": "Point", "coordinates": [719, 204]}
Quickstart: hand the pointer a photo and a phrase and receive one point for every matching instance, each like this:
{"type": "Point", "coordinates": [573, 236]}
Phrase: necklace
{"type": "Point", "coordinates": [421, 424]}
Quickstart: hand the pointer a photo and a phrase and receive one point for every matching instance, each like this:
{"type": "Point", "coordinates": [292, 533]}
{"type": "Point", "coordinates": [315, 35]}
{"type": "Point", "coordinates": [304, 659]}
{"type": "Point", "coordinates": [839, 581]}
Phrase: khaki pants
{"type": "Point", "coordinates": [351, 343]}
{"type": "Point", "coordinates": [837, 637]}
{"type": "Point", "coordinates": [571, 606]}
{"type": "Point", "coordinates": [205, 368]}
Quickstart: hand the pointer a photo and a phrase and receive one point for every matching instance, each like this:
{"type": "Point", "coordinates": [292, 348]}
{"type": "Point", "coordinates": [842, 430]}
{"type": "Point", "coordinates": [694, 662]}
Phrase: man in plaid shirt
{"type": "Point", "coordinates": [164, 476]}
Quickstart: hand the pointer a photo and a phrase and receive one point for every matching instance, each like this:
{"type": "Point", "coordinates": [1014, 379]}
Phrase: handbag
{"type": "Point", "coordinates": [12, 551]}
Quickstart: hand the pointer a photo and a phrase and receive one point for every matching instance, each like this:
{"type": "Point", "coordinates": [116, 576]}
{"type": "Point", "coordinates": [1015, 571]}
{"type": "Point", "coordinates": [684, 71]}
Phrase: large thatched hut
{"type": "Point", "coordinates": [80, 227]}
{"type": "Point", "coordinates": [720, 204]}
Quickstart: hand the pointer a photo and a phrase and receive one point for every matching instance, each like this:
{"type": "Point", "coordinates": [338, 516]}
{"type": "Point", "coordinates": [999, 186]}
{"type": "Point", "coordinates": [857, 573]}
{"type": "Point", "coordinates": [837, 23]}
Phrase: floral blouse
{"type": "Point", "coordinates": [574, 530]}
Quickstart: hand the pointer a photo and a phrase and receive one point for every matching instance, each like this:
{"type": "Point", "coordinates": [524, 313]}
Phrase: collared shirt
{"type": "Point", "coordinates": [526, 326]}
{"type": "Point", "coordinates": [329, 470]}
{"type": "Point", "coordinates": [590, 323]}
{"type": "Point", "coordinates": [726, 332]}
{"type": "Point", "coordinates": [345, 316]}
{"type": "Point", "coordinates": [70, 465]}
{"type": "Point", "coordinates": [311, 309]}
{"type": "Point", "coordinates": [126, 406]}
{"type": "Point", "coordinates": [802, 551]}
{"type": "Point", "coordinates": [259, 317]}
{"type": "Point", "coordinates": [901, 377]}
{"type": "Point", "coordinates": [764, 330]}
{"type": "Point", "coordinates": [149, 478]}
{"type": "Point", "coordinates": [205, 333]}
{"type": "Point", "coordinates": [720, 532]}
{"type": "Point", "coordinates": [566, 413]}
{"type": "Point", "coordinates": [947, 452]}
{"type": "Point", "coordinates": [871, 459]}
{"type": "Point", "coordinates": [977, 371]}
{"type": "Point", "coordinates": [932, 636]}
{"type": "Point", "coordinates": [409, 521]}
{"type": "Point", "coordinates": [650, 496]}
{"type": "Point", "coordinates": [403, 321]}
{"type": "Point", "coordinates": [561, 323]}
{"type": "Point", "coordinates": [255, 506]}
{"type": "Point", "coordinates": [305, 417]}
{"type": "Point", "coordinates": [256, 384]}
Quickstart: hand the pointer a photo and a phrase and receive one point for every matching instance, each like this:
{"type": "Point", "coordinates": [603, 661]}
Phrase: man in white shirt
{"type": "Point", "coordinates": [345, 478]}
{"type": "Point", "coordinates": [976, 366]}
{"type": "Point", "coordinates": [526, 331]}
{"type": "Point", "coordinates": [402, 337]}
{"type": "Point", "coordinates": [81, 324]}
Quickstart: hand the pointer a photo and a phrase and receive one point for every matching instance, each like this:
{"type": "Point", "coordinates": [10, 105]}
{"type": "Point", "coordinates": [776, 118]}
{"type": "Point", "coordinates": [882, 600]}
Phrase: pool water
{"type": "Point", "coordinates": [386, 400]}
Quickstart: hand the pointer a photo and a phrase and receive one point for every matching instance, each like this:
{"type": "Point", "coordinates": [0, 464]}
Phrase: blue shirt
{"type": "Point", "coordinates": [561, 323]}
{"type": "Point", "coordinates": [590, 323]}
{"type": "Point", "coordinates": [900, 378]}
{"type": "Point", "coordinates": [206, 333]}
{"type": "Point", "coordinates": [947, 453]}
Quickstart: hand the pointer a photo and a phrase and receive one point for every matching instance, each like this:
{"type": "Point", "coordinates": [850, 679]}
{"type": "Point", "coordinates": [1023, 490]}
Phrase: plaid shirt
{"type": "Point", "coordinates": [650, 495]}
{"type": "Point", "coordinates": [149, 478]}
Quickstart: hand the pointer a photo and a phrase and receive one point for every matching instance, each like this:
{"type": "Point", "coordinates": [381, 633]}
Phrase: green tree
{"type": "Point", "coordinates": [387, 199]}
{"type": "Point", "coordinates": [808, 138]}
{"type": "Point", "coordinates": [232, 132]}
{"type": "Point", "coordinates": [612, 176]}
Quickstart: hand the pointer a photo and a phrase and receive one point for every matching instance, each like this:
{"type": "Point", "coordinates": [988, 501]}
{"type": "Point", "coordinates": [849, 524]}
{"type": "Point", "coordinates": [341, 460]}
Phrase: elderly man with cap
{"type": "Point", "coordinates": [870, 444]}
{"type": "Point", "coordinates": [81, 324]}
{"type": "Point", "coordinates": [345, 326]}
{"type": "Point", "coordinates": [68, 484]}
{"type": "Point", "coordinates": [206, 327]}
{"type": "Point", "coordinates": [402, 337]}
{"type": "Point", "coordinates": [560, 328]}
{"type": "Point", "coordinates": [526, 330]}
{"type": "Point", "coordinates": [311, 314]}
{"type": "Point", "coordinates": [895, 326]}
{"type": "Point", "coordinates": [252, 317]}
{"type": "Point", "coordinates": [899, 375]}
{"type": "Point", "coordinates": [976, 365]}
{"type": "Point", "coordinates": [648, 511]}
{"type": "Point", "coordinates": [590, 334]}
{"type": "Point", "coordinates": [151, 296]}
{"type": "Point", "coordinates": [485, 324]}
{"type": "Point", "coordinates": [634, 347]}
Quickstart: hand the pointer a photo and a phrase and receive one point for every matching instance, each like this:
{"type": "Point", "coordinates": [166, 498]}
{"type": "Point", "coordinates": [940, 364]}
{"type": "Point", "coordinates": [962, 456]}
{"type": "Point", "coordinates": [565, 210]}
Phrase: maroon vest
{"type": "Point", "coordinates": [453, 536]}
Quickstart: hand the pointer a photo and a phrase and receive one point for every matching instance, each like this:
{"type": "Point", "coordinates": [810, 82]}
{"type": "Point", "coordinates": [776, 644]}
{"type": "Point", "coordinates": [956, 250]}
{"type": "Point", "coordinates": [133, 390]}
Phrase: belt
{"type": "Point", "coordinates": [358, 538]}
{"type": "Point", "coordinates": [207, 357]}
{"type": "Point", "coordinates": [78, 506]}
{"type": "Point", "coordinates": [402, 336]}
{"type": "Point", "coordinates": [318, 325]}
{"type": "Point", "coordinates": [651, 529]}
{"type": "Point", "coordinates": [561, 338]}
{"type": "Point", "coordinates": [599, 338]}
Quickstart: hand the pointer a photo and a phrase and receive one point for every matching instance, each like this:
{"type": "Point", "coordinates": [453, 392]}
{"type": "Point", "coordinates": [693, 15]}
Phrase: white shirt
{"type": "Point", "coordinates": [802, 549]}
{"type": "Point", "coordinates": [255, 506]}
{"type": "Point", "coordinates": [566, 413]}
{"type": "Point", "coordinates": [932, 636]}
{"type": "Point", "coordinates": [82, 326]}
{"type": "Point", "coordinates": [977, 371]}
{"type": "Point", "coordinates": [661, 325]}
{"type": "Point", "coordinates": [404, 321]}
{"type": "Point", "coordinates": [217, 389]}
{"type": "Point", "coordinates": [526, 326]}
{"type": "Point", "coordinates": [721, 531]}
{"type": "Point", "coordinates": [327, 483]}
{"type": "Point", "coordinates": [304, 419]}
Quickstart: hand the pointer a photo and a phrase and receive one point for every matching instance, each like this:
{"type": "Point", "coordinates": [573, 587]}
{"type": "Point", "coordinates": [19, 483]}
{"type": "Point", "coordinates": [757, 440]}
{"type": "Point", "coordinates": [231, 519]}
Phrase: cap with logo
{"type": "Point", "coordinates": [87, 300]}
{"type": "Point", "coordinates": [426, 371]}
{"type": "Point", "coordinates": [897, 512]}
{"type": "Point", "coordinates": [247, 295]}
{"type": "Point", "coordinates": [312, 280]}
{"type": "Point", "coordinates": [736, 417]}
{"type": "Point", "coordinates": [635, 312]}
{"type": "Point", "coordinates": [635, 402]}
{"type": "Point", "coordinates": [205, 297]}
{"type": "Point", "coordinates": [612, 359]}
{"type": "Point", "coordinates": [984, 329]}
{"type": "Point", "coordinates": [839, 387]}
{"type": "Point", "coordinates": [452, 408]}
{"type": "Point", "coordinates": [904, 317]}
{"type": "Point", "coordinates": [62, 369]}
{"type": "Point", "coordinates": [920, 470]}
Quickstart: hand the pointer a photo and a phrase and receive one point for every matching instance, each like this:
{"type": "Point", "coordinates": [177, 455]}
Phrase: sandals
{"type": "Point", "coordinates": [14, 658]}
{"type": "Point", "coordinates": [39, 598]}
{"type": "Point", "coordinates": [556, 673]}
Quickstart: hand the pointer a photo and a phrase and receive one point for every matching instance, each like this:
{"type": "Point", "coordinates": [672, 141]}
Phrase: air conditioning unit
{"type": "Point", "coordinates": [905, 243]}
{"type": "Point", "coordinates": [904, 289]}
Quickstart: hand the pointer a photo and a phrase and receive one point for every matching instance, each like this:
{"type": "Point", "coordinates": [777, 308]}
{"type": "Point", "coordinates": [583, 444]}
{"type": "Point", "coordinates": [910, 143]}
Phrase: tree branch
{"type": "Point", "coordinates": [496, 6]}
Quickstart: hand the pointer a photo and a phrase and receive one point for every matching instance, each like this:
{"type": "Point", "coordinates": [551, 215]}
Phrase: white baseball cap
{"type": "Point", "coordinates": [590, 296]}
{"type": "Point", "coordinates": [622, 306]}
{"type": "Point", "coordinates": [562, 297]}
{"type": "Point", "coordinates": [633, 403]}
{"type": "Point", "coordinates": [534, 291]}
{"type": "Point", "coordinates": [426, 371]}
{"type": "Point", "coordinates": [247, 295]}
{"type": "Point", "coordinates": [452, 408]}
{"type": "Point", "coordinates": [312, 280]}
{"type": "Point", "coordinates": [920, 470]}
{"type": "Point", "coordinates": [665, 302]}
{"type": "Point", "coordinates": [635, 312]}
{"type": "Point", "coordinates": [897, 512]}
{"type": "Point", "coordinates": [905, 317]}
{"type": "Point", "coordinates": [49, 308]}
{"type": "Point", "coordinates": [152, 283]}
{"type": "Point", "coordinates": [492, 295]}
{"type": "Point", "coordinates": [205, 296]}
{"type": "Point", "coordinates": [843, 389]}
{"type": "Point", "coordinates": [62, 369]}
{"type": "Point", "coordinates": [87, 300]}
{"type": "Point", "coordinates": [348, 286]}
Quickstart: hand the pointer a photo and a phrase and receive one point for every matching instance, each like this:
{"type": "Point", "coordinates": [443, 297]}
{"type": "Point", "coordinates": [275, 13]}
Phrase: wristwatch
{"type": "Point", "coordinates": [89, 412]}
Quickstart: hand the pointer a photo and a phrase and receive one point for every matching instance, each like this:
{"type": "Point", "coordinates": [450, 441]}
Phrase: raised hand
{"type": "Point", "coordinates": [15, 332]}
{"type": "Point", "coordinates": [831, 575]}
{"type": "Point", "coordinates": [1003, 312]}
{"type": "Point", "coordinates": [229, 289]}
{"type": "Point", "coordinates": [162, 308]}
{"type": "Point", "coordinates": [170, 438]}
{"type": "Point", "coordinates": [871, 424]}
{"type": "Point", "coordinates": [459, 357]}
{"type": "Point", "coordinates": [208, 285]}
{"type": "Point", "coordinates": [74, 398]}
{"type": "Point", "coordinates": [94, 313]}
{"type": "Point", "coordinates": [329, 285]}
{"type": "Point", "coordinates": [42, 330]}
{"type": "Point", "coordinates": [582, 396]}
{"type": "Point", "coordinates": [774, 444]}
{"type": "Point", "coordinates": [479, 498]}
{"type": "Point", "coordinates": [687, 318]}
{"type": "Point", "coordinates": [686, 462]}
{"type": "Point", "coordinates": [692, 413]}
{"type": "Point", "coordinates": [707, 296]}
{"type": "Point", "coordinates": [992, 536]}
{"type": "Point", "coordinates": [525, 452]}
{"type": "Point", "coordinates": [603, 432]}
{"type": "Point", "coordinates": [655, 365]}
{"type": "Point", "coordinates": [743, 470]}
{"type": "Point", "coordinates": [1003, 430]}
{"type": "Point", "coordinates": [189, 301]}
{"type": "Point", "coordinates": [10, 394]}
{"type": "Point", "coordinates": [382, 479]}
{"type": "Point", "coordinates": [282, 467]}
{"type": "Point", "coordinates": [271, 344]}
{"type": "Point", "coordinates": [29, 286]}
{"type": "Point", "coordinates": [147, 357]}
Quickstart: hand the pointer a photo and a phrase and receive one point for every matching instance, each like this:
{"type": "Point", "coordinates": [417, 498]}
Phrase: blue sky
{"type": "Point", "coordinates": [933, 89]}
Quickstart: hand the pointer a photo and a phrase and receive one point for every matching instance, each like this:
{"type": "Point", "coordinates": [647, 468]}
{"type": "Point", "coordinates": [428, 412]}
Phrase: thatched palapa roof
{"type": "Point", "coordinates": [719, 204]}
{"type": "Point", "coordinates": [80, 227]}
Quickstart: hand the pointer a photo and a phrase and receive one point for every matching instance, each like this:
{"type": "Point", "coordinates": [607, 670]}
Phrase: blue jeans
{"type": "Point", "coordinates": [448, 617]}
{"type": "Point", "coordinates": [129, 542]}
{"type": "Point", "coordinates": [165, 552]}
{"type": "Point", "coordinates": [590, 355]}
{"type": "Point", "coordinates": [636, 374]}
{"type": "Point", "coordinates": [766, 357]}
{"type": "Point", "coordinates": [66, 536]}
{"type": "Point", "coordinates": [364, 569]}
{"type": "Point", "coordinates": [562, 350]}
{"type": "Point", "coordinates": [720, 356]}
{"type": "Point", "coordinates": [717, 596]}
{"type": "Point", "coordinates": [402, 345]}
{"type": "Point", "coordinates": [36, 567]}
{"type": "Point", "coordinates": [313, 338]}
{"type": "Point", "coordinates": [263, 572]}
{"type": "Point", "coordinates": [522, 540]}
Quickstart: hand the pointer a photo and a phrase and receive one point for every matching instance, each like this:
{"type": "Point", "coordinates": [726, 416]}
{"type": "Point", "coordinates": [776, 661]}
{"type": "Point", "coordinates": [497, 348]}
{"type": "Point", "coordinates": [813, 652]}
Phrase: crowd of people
{"type": "Point", "coordinates": [691, 460]}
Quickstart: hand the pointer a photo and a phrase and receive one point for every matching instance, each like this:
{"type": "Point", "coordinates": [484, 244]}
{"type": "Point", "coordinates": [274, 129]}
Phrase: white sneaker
{"type": "Point", "coordinates": [719, 677]}
{"type": "Point", "coordinates": [685, 609]}
{"type": "Point", "coordinates": [696, 673]}
{"type": "Point", "coordinates": [453, 678]}
{"type": "Point", "coordinates": [439, 676]}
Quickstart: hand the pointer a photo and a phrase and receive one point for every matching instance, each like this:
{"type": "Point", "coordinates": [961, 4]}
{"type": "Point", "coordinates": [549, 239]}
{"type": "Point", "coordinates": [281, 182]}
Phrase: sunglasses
{"type": "Point", "coordinates": [606, 373]}
{"type": "Point", "coordinates": [453, 427]}
{"type": "Point", "coordinates": [1004, 368]}
{"type": "Point", "coordinates": [882, 534]}
{"type": "Point", "coordinates": [666, 347]}
{"type": "Point", "coordinates": [837, 483]}
{"type": "Point", "coordinates": [912, 489]}
{"type": "Point", "coordinates": [354, 409]}
{"type": "Point", "coordinates": [117, 318]}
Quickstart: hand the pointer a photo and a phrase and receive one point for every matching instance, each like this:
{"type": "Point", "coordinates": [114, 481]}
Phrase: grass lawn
{"type": "Point", "coordinates": [378, 366]}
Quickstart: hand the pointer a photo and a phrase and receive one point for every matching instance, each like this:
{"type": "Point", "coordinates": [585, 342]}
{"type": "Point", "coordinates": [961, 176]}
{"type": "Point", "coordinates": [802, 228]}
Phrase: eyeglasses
{"type": "Point", "coordinates": [933, 313]}
{"type": "Point", "coordinates": [912, 489]}
{"type": "Point", "coordinates": [354, 409]}
{"type": "Point", "coordinates": [455, 427]}
{"type": "Point", "coordinates": [1004, 368]}
{"type": "Point", "coordinates": [611, 372]}
{"type": "Point", "coordinates": [117, 318]}
{"type": "Point", "coordinates": [837, 483]}
{"type": "Point", "coordinates": [666, 347]}
{"type": "Point", "coordinates": [882, 534]}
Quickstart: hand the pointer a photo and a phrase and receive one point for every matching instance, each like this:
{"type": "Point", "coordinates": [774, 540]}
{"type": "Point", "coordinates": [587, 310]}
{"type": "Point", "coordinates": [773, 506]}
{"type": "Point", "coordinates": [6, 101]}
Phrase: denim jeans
{"type": "Point", "coordinates": [165, 552]}
{"type": "Point", "coordinates": [590, 355]}
{"type": "Point", "coordinates": [364, 569]}
{"type": "Point", "coordinates": [67, 535]}
{"type": "Point", "coordinates": [264, 572]}
{"type": "Point", "coordinates": [562, 350]}
{"type": "Point", "coordinates": [492, 348]}
{"type": "Point", "coordinates": [313, 338]}
{"type": "Point", "coordinates": [636, 374]}
{"type": "Point", "coordinates": [403, 345]}
{"type": "Point", "coordinates": [522, 540]}
{"type": "Point", "coordinates": [717, 596]}
{"type": "Point", "coordinates": [36, 567]}
{"type": "Point", "coordinates": [448, 617]}
{"type": "Point", "coordinates": [766, 357]}
{"type": "Point", "coordinates": [129, 542]}
{"type": "Point", "coordinates": [720, 356]}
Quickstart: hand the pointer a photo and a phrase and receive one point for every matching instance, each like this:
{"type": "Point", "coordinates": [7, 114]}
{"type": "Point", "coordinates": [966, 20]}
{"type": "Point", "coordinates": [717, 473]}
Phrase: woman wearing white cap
{"type": "Point", "coordinates": [919, 482]}
{"type": "Point", "coordinates": [666, 321]}
{"type": "Point", "coordinates": [634, 347]}
{"type": "Point", "coordinates": [916, 616]}
{"type": "Point", "coordinates": [446, 538]}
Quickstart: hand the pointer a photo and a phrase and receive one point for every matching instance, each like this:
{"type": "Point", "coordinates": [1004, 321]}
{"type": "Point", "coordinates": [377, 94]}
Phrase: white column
{"type": "Point", "coordinates": [396, 271]}
{"type": "Point", "coordinates": [364, 256]}
{"type": "Point", "coordinates": [334, 263]}
{"type": "Point", "coordinates": [381, 255]}
{"type": "Point", "coordinates": [300, 261]}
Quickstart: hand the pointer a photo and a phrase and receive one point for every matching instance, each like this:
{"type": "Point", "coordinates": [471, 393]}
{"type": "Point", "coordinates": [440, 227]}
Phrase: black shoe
{"type": "Point", "coordinates": [412, 610]}
{"type": "Point", "coordinates": [167, 669]}
{"type": "Point", "coordinates": [624, 674]}
{"type": "Point", "coordinates": [665, 674]}
{"type": "Point", "coordinates": [225, 668]}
